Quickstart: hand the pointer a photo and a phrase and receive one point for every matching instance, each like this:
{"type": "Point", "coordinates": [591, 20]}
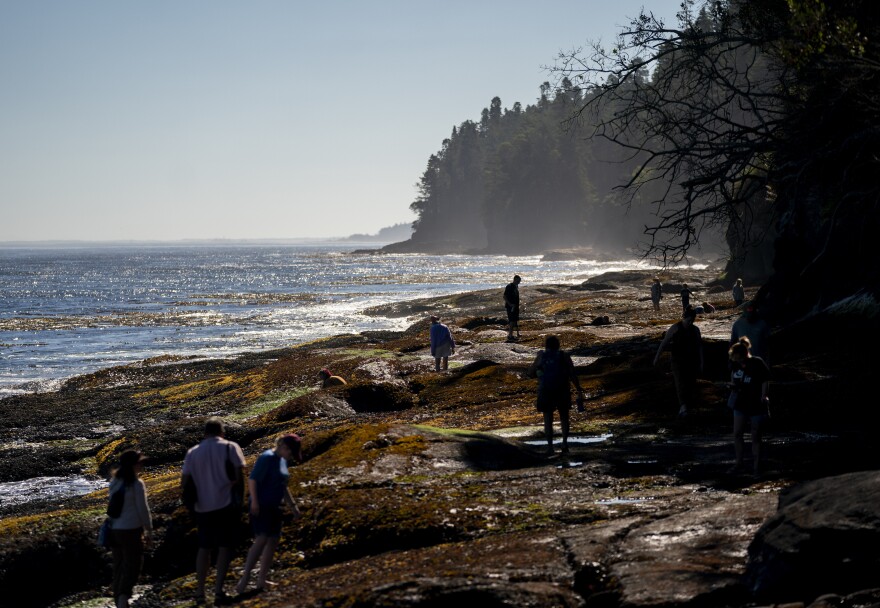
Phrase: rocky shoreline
{"type": "Point", "coordinates": [421, 489]}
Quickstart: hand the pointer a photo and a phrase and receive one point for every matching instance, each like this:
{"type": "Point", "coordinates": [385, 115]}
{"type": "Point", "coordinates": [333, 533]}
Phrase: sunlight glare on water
{"type": "Point", "coordinates": [65, 312]}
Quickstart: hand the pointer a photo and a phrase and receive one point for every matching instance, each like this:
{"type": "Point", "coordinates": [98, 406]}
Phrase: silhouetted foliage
{"type": "Point", "coordinates": [760, 116]}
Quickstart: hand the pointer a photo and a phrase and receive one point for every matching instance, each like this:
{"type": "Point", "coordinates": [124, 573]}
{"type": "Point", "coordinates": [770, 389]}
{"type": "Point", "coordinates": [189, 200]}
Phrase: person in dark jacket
{"type": "Point", "coordinates": [685, 297]}
{"type": "Point", "coordinates": [656, 293]}
{"type": "Point", "coordinates": [511, 305]}
{"type": "Point", "coordinates": [555, 370]}
{"type": "Point", "coordinates": [684, 341]}
{"type": "Point", "coordinates": [749, 384]}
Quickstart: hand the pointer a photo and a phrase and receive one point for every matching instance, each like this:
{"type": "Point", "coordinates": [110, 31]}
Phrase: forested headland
{"type": "Point", "coordinates": [524, 180]}
{"type": "Point", "coordinates": [753, 120]}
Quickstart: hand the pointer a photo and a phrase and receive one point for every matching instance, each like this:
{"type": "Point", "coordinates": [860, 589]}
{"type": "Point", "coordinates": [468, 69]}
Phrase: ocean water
{"type": "Point", "coordinates": [69, 311]}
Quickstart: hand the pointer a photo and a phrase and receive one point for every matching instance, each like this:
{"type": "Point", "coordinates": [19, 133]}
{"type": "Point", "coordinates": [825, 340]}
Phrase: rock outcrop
{"type": "Point", "coordinates": [825, 530]}
{"type": "Point", "coordinates": [422, 489]}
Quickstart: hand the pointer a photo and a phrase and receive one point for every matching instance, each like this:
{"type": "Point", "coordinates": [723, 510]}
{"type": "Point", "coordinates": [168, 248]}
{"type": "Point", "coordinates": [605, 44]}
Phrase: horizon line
{"type": "Point", "coordinates": [324, 239]}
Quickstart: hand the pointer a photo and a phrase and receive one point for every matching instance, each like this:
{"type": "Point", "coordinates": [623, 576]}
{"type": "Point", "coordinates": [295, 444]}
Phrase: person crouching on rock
{"type": "Point", "coordinates": [129, 525]}
{"type": "Point", "coordinates": [328, 379]}
{"type": "Point", "coordinates": [442, 344]}
{"type": "Point", "coordinates": [555, 370]}
{"type": "Point", "coordinates": [749, 383]}
{"type": "Point", "coordinates": [267, 489]}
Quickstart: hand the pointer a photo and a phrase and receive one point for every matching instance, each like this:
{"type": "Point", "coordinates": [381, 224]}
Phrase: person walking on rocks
{"type": "Point", "coordinates": [555, 370]}
{"type": "Point", "coordinates": [749, 385]}
{"type": "Point", "coordinates": [442, 344]}
{"type": "Point", "coordinates": [656, 293]}
{"type": "Point", "coordinates": [130, 519]}
{"type": "Point", "coordinates": [684, 341]}
{"type": "Point", "coordinates": [685, 297]}
{"type": "Point", "coordinates": [216, 466]}
{"type": "Point", "coordinates": [756, 329]}
{"type": "Point", "coordinates": [267, 489]}
{"type": "Point", "coordinates": [511, 305]}
{"type": "Point", "coordinates": [738, 292]}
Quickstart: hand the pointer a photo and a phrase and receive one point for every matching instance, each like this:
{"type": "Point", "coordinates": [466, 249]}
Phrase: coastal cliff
{"type": "Point", "coordinates": [422, 488]}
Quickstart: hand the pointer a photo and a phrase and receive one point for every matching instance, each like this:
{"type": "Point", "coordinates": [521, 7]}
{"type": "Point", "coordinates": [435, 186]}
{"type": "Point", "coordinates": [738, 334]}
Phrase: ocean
{"type": "Point", "coordinates": [74, 310]}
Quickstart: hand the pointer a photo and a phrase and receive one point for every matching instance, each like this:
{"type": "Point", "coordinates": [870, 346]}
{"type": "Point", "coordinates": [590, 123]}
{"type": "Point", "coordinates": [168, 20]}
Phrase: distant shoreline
{"type": "Point", "coordinates": [313, 242]}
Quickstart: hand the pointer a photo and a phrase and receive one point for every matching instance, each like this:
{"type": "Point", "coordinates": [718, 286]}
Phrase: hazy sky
{"type": "Point", "coordinates": [172, 119]}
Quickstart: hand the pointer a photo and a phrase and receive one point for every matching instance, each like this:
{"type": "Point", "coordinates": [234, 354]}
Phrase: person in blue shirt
{"type": "Point", "coordinates": [267, 487]}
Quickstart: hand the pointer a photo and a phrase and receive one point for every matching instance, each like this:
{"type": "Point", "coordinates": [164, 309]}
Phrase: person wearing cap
{"type": "Point", "coordinates": [442, 344]}
{"type": "Point", "coordinates": [129, 528]}
{"type": "Point", "coordinates": [267, 487]}
{"type": "Point", "coordinates": [217, 515]}
{"type": "Point", "coordinates": [684, 341]}
{"type": "Point", "coordinates": [328, 379]}
{"type": "Point", "coordinates": [511, 305]}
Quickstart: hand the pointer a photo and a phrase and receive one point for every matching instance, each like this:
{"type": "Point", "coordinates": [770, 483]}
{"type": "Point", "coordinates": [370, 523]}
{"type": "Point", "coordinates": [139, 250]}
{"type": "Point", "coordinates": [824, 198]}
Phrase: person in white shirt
{"type": "Point", "coordinates": [217, 515]}
{"type": "Point", "coordinates": [129, 525]}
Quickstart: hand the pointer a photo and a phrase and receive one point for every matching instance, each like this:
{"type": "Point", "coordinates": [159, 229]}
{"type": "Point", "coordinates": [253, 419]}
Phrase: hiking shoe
{"type": "Point", "coordinates": [565, 449]}
{"type": "Point", "coordinates": [682, 411]}
{"type": "Point", "coordinates": [222, 599]}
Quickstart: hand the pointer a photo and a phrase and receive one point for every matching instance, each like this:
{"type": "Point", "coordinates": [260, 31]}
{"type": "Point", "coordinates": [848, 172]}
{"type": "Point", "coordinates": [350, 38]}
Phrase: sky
{"type": "Point", "coordinates": [257, 119]}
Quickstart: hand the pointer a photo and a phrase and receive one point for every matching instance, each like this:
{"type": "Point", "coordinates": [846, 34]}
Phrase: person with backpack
{"type": "Point", "coordinates": [555, 370]}
{"type": "Point", "coordinates": [216, 467]}
{"type": "Point", "coordinates": [130, 518]}
{"type": "Point", "coordinates": [684, 341]}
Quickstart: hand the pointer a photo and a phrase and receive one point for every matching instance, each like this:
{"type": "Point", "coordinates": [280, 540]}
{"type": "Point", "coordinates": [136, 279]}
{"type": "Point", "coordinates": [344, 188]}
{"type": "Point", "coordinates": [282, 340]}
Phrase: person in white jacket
{"type": "Point", "coordinates": [129, 527]}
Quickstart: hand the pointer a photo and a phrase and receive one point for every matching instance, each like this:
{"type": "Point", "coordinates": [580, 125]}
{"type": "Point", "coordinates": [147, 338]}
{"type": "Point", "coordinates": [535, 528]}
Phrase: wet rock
{"type": "Point", "coordinates": [475, 322]}
{"type": "Point", "coordinates": [827, 529]}
{"type": "Point", "coordinates": [500, 571]}
{"type": "Point", "coordinates": [594, 286]}
{"type": "Point", "coordinates": [320, 404]}
{"type": "Point", "coordinates": [695, 556]}
{"type": "Point", "coordinates": [869, 598]}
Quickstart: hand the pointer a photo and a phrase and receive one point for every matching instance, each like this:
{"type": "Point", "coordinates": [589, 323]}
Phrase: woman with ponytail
{"type": "Point", "coordinates": [749, 383]}
{"type": "Point", "coordinates": [130, 518]}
